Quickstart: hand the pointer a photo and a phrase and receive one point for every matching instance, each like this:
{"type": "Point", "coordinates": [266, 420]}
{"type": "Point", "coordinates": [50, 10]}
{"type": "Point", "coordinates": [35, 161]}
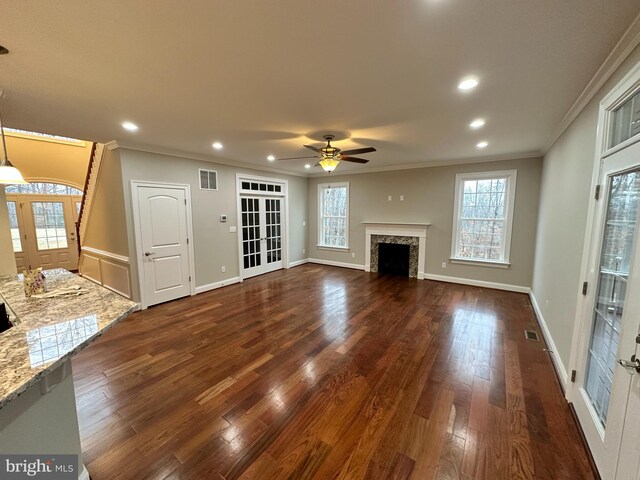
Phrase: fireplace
{"type": "Point", "coordinates": [393, 259]}
{"type": "Point", "coordinates": [409, 237]}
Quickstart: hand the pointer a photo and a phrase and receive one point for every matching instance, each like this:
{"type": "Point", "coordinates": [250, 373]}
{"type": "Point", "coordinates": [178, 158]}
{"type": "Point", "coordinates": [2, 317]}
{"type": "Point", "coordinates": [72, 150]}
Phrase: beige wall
{"type": "Point", "coordinates": [40, 160]}
{"type": "Point", "coordinates": [565, 198]}
{"type": "Point", "coordinates": [7, 258]}
{"type": "Point", "coordinates": [214, 246]}
{"type": "Point", "coordinates": [106, 223]}
{"type": "Point", "coordinates": [428, 197]}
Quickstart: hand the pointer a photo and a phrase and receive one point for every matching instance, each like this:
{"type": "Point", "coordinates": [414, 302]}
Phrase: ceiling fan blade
{"type": "Point", "coordinates": [296, 158]}
{"type": "Point", "coordinates": [357, 151]}
{"type": "Point", "coordinates": [353, 159]}
{"type": "Point", "coordinates": [315, 149]}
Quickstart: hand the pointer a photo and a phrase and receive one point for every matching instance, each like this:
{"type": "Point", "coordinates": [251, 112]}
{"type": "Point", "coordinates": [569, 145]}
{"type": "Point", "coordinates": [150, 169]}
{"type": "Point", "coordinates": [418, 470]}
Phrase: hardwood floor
{"type": "Point", "coordinates": [323, 372]}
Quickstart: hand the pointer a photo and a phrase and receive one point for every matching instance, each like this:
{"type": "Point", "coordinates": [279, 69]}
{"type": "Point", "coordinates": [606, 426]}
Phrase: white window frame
{"type": "Point", "coordinates": [321, 188]}
{"type": "Point", "coordinates": [510, 176]}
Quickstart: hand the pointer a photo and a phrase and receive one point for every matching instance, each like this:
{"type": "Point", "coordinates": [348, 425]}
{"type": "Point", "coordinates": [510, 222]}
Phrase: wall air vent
{"type": "Point", "coordinates": [208, 179]}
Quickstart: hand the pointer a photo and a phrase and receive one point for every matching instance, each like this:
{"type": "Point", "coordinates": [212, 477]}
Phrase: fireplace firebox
{"type": "Point", "coordinates": [393, 259]}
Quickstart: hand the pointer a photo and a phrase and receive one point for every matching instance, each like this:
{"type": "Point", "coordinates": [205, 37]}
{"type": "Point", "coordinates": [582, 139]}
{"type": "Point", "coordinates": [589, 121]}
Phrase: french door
{"type": "Point", "coordinates": [608, 399]}
{"type": "Point", "coordinates": [43, 230]}
{"type": "Point", "coordinates": [261, 220]}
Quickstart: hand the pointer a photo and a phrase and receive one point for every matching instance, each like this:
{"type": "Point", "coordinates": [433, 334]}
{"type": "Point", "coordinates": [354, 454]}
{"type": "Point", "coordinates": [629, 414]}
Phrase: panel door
{"type": "Point", "coordinates": [165, 248]}
{"type": "Point", "coordinates": [50, 231]}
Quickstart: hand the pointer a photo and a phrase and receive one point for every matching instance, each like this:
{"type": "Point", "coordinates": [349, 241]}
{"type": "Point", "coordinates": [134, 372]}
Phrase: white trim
{"type": "Point", "coordinates": [552, 349]}
{"type": "Point", "coordinates": [84, 475]}
{"type": "Point", "coordinates": [437, 163]}
{"type": "Point", "coordinates": [627, 43]}
{"type": "Point", "coordinates": [298, 262]}
{"type": "Point", "coordinates": [479, 263]}
{"type": "Point", "coordinates": [103, 253]}
{"type": "Point", "coordinates": [411, 224]}
{"type": "Point", "coordinates": [331, 263]}
{"type": "Point", "coordinates": [397, 230]}
{"type": "Point", "coordinates": [321, 188]}
{"type": "Point", "coordinates": [477, 283]}
{"type": "Point", "coordinates": [213, 286]}
{"type": "Point", "coordinates": [339, 249]}
{"type": "Point", "coordinates": [511, 177]}
{"type": "Point", "coordinates": [194, 156]}
{"type": "Point", "coordinates": [135, 204]}
{"type": "Point", "coordinates": [56, 181]}
{"type": "Point", "coordinates": [283, 195]}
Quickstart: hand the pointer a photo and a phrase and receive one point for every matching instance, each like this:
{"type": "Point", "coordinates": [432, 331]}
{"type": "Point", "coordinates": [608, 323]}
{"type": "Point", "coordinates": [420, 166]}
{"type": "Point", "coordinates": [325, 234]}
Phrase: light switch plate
{"type": "Point", "coordinates": [233, 229]}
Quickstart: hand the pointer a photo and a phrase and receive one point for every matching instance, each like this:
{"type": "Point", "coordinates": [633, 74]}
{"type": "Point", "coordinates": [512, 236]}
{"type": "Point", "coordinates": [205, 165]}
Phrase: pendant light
{"type": "Point", "coordinates": [9, 175]}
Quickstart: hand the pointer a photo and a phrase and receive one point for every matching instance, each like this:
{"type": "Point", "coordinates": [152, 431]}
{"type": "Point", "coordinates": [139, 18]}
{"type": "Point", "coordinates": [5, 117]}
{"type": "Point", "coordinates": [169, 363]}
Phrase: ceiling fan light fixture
{"type": "Point", "coordinates": [329, 164]}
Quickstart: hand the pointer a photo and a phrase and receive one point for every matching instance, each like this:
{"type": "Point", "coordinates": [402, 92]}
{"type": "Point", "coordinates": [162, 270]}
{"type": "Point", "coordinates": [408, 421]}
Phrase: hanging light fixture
{"type": "Point", "coordinates": [329, 164]}
{"type": "Point", "coordinates": [9, 175]}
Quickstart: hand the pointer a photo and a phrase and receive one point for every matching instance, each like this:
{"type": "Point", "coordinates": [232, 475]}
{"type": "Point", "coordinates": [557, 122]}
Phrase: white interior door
{"type": "Point", "coordinates": [608, 400]}
{"type": "Point", "coordinates": [164, 234]}
{"type": "Point", "coordinates": [261, 234]}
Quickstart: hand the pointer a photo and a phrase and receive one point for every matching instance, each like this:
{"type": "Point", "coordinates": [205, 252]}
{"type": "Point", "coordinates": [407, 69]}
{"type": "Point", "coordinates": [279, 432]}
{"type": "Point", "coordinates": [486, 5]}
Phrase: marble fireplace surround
{"type": "Point", "coordinates": [384, 232]}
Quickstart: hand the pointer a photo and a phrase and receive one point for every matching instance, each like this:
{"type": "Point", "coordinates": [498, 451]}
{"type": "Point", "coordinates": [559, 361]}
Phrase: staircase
{"type": "Point", "coordinates": [93, 170]}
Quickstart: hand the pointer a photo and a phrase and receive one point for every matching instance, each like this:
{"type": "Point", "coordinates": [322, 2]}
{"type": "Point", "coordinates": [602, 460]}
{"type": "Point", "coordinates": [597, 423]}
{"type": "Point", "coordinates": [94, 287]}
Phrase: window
{"type": "Point", "coordinates": [43, 188]}
{"type": "Point", "coordinates": [13, 226]}
{"type": "Point", "coordinates": [482, 218]}
{"type": "Point", "coordinates": [333, 228]}
{"type": "Point", "coordinates": [51, 232]}
{"type": "Point", "coordinates": [625, 121]}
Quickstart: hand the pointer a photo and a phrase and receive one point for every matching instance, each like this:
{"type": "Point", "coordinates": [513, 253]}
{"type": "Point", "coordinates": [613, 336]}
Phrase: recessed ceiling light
{"type": "Point", "coordinates": [271, 158]}
{"type": "Point", "coordinates": [130, 126]}
{"type": "Point", "coordinates": [307, 166]}
{"type": "Point", "coordinates": [477, 123]}
{"type": "Point", "coordinates": [468, 83]}
{"type": "Point", "coordinates": [482, 144]}
{"type": "Point", "coordinates": [217, 145]}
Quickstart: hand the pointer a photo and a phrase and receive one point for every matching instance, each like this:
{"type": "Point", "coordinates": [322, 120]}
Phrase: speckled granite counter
{"type": "Point", "coordinates": [48, 331]}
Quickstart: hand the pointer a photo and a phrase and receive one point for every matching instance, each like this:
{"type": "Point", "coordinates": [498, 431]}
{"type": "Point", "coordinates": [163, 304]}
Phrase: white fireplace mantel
{"type": "Point", "coordinates": [397, 229]}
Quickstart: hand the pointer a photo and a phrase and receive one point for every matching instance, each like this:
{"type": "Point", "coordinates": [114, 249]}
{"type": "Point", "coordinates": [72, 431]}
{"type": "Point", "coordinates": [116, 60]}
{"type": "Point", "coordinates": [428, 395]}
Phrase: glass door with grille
{"type": "Point", "coordinates": [608, 382]}
{"type": "Point", "coordinates": [261, 225]}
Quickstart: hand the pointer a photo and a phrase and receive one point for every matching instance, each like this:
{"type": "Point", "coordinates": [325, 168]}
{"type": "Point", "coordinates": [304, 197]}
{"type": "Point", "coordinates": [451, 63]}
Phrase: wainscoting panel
{"type": "Point", "coordinates": [106, 269]}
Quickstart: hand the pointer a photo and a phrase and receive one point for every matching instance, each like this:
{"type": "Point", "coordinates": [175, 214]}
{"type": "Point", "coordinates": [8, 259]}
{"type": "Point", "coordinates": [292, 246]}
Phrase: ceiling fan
{"type": "Point", "coordinates": [330, 156]}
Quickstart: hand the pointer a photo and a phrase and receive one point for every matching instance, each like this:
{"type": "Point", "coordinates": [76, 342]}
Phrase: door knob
{"type": "Point", "coordinates": [148, 254]}
{"type": "Point", "coordinates": [632, 366]}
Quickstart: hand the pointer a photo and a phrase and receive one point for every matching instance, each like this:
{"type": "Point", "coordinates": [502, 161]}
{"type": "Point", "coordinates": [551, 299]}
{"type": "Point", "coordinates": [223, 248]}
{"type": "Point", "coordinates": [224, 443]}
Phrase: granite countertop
{"type": "Point", "coordinates": [48, 331]}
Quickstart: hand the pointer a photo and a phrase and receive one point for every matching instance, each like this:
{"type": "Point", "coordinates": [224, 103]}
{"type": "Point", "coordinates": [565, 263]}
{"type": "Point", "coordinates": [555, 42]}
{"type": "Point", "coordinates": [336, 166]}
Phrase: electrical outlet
{"type": "Point", "coordinates": [389, 198]}
{"type": "Point", "coordinates": [304, 223]}
{"type": "Point", "coordinates": [224, 269]}
{"type": "Point", "coordinates": [233, 229]}
{"type": "Point", "coordinates": [353, 255]}
{"type": "Point", "coordinates": [402, 198]}
{"type": "Point", "coordinates": [304, 250]}
{"type": "Point", "coordinates": [444, 264]}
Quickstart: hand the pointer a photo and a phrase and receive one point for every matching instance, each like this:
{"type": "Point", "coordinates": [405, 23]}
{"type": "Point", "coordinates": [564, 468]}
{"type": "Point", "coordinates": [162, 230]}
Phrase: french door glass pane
{"type": "Point", "coordinates": [250, 210]}
{"type": "Point", "coordinates": [273, 227]}
{"type": "Point", "coordinates": [13, 226]}
{"type": "Point", "coordinates": [615, 259]}
{"type": "Point", "coordinates": [51, 231]}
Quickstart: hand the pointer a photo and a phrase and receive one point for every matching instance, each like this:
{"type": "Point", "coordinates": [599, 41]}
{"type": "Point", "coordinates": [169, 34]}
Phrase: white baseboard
{"type": "Point", "coordinates": [331, 263]}
{"type": "Point", "coordinates": [557, 361]}
{"type": "Point", "coordinates": [84, 475]}
{"type": "Point", "coordinates": [477, 283]}
{"type": "Point", "coordinates": [213, 286]}
{"type": "Point", "coordinates": [298, 262]}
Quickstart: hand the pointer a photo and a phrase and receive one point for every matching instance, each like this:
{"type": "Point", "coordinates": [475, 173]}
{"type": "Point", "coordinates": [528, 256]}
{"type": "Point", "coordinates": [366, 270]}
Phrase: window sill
{"type": "Point", "coordinates": [480, 263]}
{"type": "Point", "coordinates": [328, 247]}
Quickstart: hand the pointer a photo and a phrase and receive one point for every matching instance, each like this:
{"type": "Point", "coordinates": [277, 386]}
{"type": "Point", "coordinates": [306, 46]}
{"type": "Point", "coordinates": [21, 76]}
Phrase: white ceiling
{"type": "Point", "coordinates": [264, 77]}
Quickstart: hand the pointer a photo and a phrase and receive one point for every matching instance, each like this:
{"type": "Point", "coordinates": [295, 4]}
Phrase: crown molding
{"type": "Point", "coordinates": [627, 43]}
{"type": "Point", "coordinates": [115, 144]}
{"type": "Point", "coordinates": [436, 163]}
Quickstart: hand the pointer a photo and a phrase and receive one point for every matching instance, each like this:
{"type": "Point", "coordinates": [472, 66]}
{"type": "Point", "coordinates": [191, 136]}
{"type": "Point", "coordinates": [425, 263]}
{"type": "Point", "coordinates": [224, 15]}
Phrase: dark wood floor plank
{"type": "Point", "coordinates": [326, 373]}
